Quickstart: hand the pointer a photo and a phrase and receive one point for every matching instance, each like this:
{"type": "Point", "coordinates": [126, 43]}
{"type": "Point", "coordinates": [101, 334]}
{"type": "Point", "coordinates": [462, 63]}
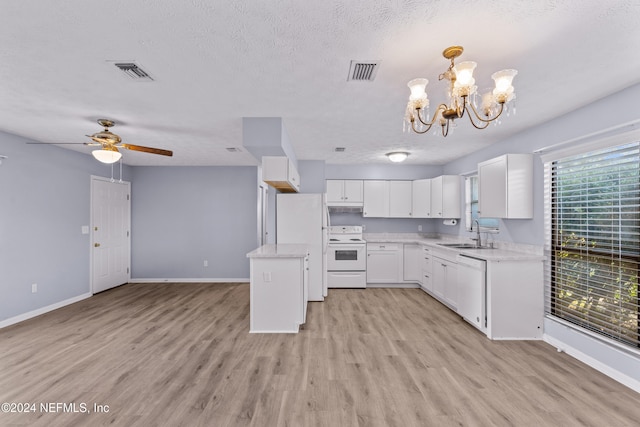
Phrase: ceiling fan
{"type": "Point", "coordinates": [110, 142]}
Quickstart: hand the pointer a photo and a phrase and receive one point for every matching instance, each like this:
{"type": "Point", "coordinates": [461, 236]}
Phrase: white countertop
{"type": "Point", "coordinates": [498, 254]}
{"type": "Point", "coordinates": [283, 250]}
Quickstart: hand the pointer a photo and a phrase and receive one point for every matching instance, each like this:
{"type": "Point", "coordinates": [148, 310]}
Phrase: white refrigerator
{"type": "Point", "coordinates": [303, 218]}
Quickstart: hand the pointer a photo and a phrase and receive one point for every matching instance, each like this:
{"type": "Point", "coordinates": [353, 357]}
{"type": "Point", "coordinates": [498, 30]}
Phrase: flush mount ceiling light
{"type": "Point", "coordinates": [398, 156]}
{"type": "Point", "coordinates": [108, 154]}
{"type": "Point", "coordinates": [461, 88]}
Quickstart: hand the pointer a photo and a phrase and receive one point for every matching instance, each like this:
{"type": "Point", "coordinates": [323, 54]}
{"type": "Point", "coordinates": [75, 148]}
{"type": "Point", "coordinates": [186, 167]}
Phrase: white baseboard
{"type": "Point", "coordinates": [393, 285]}
{"type": "Point", "coordinates": [622, 378]}
{"type": "Point", "coordinates": [25, 316]}
{"type": "Point", "coordinates": [188, 280]}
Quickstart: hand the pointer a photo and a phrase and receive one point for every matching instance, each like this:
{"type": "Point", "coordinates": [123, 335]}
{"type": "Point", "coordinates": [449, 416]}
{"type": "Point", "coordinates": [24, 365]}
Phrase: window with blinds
{"type": "Point", "coordinates": [594, 241]}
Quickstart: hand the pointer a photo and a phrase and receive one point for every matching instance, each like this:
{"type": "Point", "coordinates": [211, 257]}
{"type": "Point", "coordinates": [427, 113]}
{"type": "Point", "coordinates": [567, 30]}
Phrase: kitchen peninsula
{"type": "Point", "coordinates": [279, 288]}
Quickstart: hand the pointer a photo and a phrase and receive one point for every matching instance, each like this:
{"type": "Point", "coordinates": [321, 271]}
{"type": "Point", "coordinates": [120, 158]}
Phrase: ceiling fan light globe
{"type": "Point", "coordinates": [107, 156]}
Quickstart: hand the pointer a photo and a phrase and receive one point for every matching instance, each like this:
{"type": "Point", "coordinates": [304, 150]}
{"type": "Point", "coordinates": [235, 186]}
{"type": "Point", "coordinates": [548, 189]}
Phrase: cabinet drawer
{"type": "Point", "coordinates": [383, 247]}
{"type": "Point", "coordinates": [426, 259]}
{"type": "Point", "coordinates": [426, 281]}
{"type": "Point", "coordinates": [346, 279]}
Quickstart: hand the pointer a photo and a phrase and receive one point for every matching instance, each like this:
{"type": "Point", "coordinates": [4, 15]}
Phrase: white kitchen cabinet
{"type": "Point", "coordinates": [384, 263]}
{"type": "Point", "coordinates": [376, 199]}
{"type": "Point", "coordinates": [421, 198]}
{"type": "Point", "coordinates": [426, 282]}
{"type": "Point", "coordinates": [412, 262]}
{"type": "Point", "coordinates": [505, 187]}
{"type": "Point", "coordinates": [278, 292]}
{"type": "Point", "coordinates": [446, 196]}
{"type": "Point", "coordinates": [341, 192]}
{"type": "Point", "coordinates": [400, 199]}
{"type": "Point", "coordinates": [280, 173]}
{"type": "Point", "coordinates": [445, 278]}
{"type": "Point", "coordinates": [515, 299]}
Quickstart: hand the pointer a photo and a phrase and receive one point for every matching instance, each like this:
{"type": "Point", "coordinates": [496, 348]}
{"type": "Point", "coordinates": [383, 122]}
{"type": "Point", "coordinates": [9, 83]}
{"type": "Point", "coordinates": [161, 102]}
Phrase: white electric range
{"type": "Point", "coordinates": [346, 257]}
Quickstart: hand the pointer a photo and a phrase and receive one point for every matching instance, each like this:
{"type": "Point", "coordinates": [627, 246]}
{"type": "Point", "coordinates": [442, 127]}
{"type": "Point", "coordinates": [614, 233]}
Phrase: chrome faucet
{"type": "Point", "coordinates": [478, 239]}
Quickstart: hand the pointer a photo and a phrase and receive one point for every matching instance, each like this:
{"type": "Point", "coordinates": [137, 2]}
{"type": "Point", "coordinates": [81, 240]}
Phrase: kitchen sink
{"type": "Point", "coordinates": [463, 246]}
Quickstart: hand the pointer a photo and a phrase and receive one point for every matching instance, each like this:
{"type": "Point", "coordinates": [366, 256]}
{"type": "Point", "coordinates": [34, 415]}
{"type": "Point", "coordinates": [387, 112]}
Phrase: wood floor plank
{"type": "Point", "coordinates": [171, 354]}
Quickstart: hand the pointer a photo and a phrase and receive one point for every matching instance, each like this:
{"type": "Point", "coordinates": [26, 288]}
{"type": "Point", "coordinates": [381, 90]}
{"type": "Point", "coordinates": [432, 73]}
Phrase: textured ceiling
{"type": "Point", "coordinates": [215, 62]}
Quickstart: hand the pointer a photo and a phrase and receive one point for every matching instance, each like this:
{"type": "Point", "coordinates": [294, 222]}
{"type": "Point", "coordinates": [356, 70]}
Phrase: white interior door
{"type": "Point", "coordinates": [110, 233]}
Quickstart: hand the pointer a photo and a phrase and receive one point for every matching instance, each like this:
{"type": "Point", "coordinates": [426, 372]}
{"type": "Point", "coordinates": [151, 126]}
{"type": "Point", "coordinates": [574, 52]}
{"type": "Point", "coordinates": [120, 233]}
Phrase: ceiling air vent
{"type": "Point", "coordinates": [363, 70]}
{"type": "Point", "coordinates": [233, 150]}
{"type": "Point", "coordinates": [133, 71]}
{"type": "Point", "coordinates": [339, 149]}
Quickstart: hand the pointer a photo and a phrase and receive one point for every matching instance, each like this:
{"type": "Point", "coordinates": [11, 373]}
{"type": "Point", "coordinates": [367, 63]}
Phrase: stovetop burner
{"type": "Point", "coordinates": [343, 234]}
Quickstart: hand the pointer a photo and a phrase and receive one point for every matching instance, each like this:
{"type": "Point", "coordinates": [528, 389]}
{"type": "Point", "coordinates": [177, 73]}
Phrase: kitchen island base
{"type": "Point", "coordinates": [278, 295]}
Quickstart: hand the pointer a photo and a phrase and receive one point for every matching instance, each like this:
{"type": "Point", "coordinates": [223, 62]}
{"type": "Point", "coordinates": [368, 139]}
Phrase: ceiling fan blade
{"type": "Point", "coordinates": [58, 143]}
{"type": "Point", "coordinates": [147, 149]}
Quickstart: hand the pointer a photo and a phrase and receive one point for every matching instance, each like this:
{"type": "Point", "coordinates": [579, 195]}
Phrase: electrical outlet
{"type": "Point", "coordinates": [419, 227]}
{"type": "Point", "coordinates": [34, 288]}
{"type": "Point", "coordinates": [206, 263]}
{"type": "Point", "coordinates": [266, 276]}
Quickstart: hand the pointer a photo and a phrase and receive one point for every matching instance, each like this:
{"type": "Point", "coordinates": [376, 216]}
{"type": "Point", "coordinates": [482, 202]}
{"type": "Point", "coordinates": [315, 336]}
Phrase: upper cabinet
{"type": "Point", "coordinates": [387, 199]}
{"type": "Point", "coordinates": [400, 199]}
{"type": "Point", "coordinates": [347, 192]}
{"type": "Point", "coordinates": [446, 196]}
{"type": "Point", "coordinates": [505, 187]}
{"type": "Point", "coordinates": [376, 199]}
{"type": "Point", "coordinates": [421, 198]}
{"type": "Point", "coordinates": [280, 173]}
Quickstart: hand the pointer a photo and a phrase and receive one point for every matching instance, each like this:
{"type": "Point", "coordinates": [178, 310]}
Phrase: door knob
{"type": "Point", "coordinates": [96, 245]}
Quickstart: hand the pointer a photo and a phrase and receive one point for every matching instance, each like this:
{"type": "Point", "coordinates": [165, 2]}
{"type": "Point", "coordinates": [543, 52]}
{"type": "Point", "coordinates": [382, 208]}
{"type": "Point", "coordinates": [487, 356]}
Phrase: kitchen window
{"type": "Point", "coordinates": [593, 241]}
{"type": "Point", "coordinates": [471, 208]}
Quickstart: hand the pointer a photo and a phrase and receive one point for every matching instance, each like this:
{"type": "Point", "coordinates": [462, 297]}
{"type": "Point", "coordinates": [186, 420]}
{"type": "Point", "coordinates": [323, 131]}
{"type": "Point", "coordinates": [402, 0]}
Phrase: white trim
{"type": "Point", "coordinates": [188, 280]}
{"type": "Point", "coordinates": [624, 379]}
{"type": "Point", "coordinates": [393, 285]}
{"type": "Point", "coordinates": [26, 316]}
{"type": "Point", "coordinates": [588, 143]}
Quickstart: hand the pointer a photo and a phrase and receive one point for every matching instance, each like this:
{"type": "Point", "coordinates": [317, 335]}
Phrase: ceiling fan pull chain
{"type": "Point", "coordinates": [112, 180]}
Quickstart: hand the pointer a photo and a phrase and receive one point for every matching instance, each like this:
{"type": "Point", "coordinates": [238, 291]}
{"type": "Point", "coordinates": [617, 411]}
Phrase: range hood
{"type": "Point", "coordinates": [344, 209]}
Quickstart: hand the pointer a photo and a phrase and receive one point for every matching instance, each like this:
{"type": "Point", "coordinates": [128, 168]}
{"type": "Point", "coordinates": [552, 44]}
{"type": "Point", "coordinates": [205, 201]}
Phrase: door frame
{"type": "Point", "coordinates": [93, 178]}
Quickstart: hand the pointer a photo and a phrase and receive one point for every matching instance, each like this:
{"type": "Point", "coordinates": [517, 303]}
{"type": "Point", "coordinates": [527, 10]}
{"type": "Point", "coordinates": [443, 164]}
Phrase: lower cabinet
{"type": "Point", "coordinates": [278, 294]}
{"type": "Point", "coordinates": [426, 281]}
{"type": "Point", "coordinates": [412, 265]}
{"type": "Point", "coordinates": [384, 263]}
{"type": "Point", "coordinates": [515, 299]}
{"type": "Point", "coordinates": [445, 278]}
{"type": "Point", "coordinates": [514, 292]}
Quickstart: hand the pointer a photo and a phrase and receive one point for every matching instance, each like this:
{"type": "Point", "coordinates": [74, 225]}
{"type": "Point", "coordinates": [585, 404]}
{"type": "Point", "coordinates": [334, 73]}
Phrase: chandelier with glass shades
{"type": "Point", "coordinates": [462, 97]}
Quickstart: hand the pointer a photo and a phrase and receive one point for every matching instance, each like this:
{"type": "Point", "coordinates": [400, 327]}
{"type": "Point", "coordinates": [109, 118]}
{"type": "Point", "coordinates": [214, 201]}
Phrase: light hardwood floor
{"type": "Point", "coordinates": [180, 354]}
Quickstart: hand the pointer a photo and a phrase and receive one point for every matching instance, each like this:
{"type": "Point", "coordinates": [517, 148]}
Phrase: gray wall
{"type": "Point", "coordinates": [182, 216]}
{"type": "Point", "coordinates": [44, 202]}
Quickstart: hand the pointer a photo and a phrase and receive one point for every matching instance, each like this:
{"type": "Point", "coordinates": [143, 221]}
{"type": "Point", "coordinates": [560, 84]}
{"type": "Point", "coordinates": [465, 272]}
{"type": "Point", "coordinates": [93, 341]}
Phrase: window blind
{"type": "Point", "coordinates": [593, 241]}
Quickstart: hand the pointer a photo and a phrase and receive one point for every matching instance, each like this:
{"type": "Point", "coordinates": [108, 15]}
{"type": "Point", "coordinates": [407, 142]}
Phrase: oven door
{"type": "Point", "coordinates": [347, 257]}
